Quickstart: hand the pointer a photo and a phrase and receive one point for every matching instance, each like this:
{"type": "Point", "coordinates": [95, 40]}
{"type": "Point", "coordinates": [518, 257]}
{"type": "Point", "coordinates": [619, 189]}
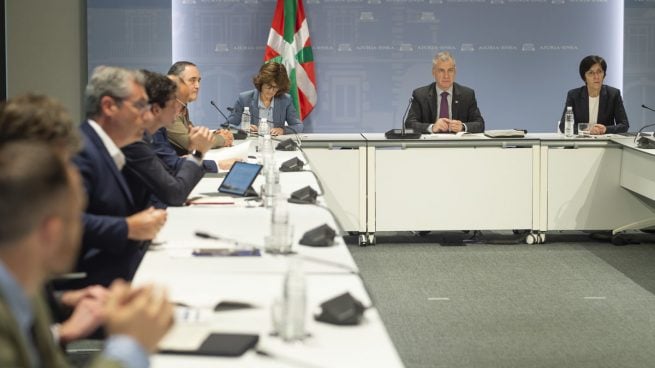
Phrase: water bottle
{"type": "Point", "coordinates": [267, 153]}
{"type": "Point", "coordinates": [294, 301]}
{"type": "Point", "coordinates": [568, 122]}
{"type": "Point", "coordinates": [281, 231]}
{"type": "Point", "coordinates": [264, 131]}
{"type": "Point", "coordinates": [245, 119]}
{"type": "Point", "coordinates": [271, 187]}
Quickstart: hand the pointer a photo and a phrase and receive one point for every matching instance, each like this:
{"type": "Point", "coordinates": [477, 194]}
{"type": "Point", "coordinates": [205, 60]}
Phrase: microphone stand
{"type": "Point", "coordinates": [402, 133]}
{"type": "Point", "coordinates": [644, 141]}
{"type": "Point", "coordinates": [238, 133]}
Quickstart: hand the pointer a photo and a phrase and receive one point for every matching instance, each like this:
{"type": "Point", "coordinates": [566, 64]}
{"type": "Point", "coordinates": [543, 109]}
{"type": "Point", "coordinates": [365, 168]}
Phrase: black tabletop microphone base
{"type": "Point", "coordinates": [402, 134]}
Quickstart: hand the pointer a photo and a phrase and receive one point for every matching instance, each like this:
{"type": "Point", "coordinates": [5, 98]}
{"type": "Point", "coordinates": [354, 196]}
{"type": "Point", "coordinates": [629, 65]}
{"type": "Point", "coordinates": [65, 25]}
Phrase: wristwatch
{"type": "Point", "coordinates": [197, 154]}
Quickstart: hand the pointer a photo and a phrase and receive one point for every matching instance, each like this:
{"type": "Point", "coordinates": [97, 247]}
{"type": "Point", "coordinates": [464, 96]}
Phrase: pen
{"type": "Point", "coordinates": [205, 235]}
{"type": "Point", "coordinates": [201, 203]}
{"type": "Point", "coordinates": [238, 244]}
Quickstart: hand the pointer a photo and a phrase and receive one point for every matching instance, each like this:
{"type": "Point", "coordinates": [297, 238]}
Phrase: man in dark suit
{"type": "Point", "coordinates": [146, 174]}
{"type": "Point", "coordinates": [444, 106]}
{"type": "Point", "coordinates": [40, 229]}
{"type": "Point", "coordinates": [116, 230]}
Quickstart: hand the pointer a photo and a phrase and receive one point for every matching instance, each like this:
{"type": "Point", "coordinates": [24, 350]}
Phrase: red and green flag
{"type": "Point", "coordinates": [289, 44]}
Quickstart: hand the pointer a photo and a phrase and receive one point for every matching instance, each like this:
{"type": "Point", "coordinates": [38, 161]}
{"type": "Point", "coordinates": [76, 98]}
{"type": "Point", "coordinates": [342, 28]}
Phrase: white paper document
{"type": "Point", "coordinates": [239, 152]}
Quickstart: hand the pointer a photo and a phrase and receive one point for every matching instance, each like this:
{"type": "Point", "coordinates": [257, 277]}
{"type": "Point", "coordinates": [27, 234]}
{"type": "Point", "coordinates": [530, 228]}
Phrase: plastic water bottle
{"type": "Point", "coordinates": [264, 132]}
{"type": "Point", "coordinates": [245, 119]}
{"type": "Point", "coordinates": [267, 154]}
{"type": "Point", "coordinates": [280, 239]}
{"type": "Point", "coordinates": [294, 301]}
{"type": "Point", "coordinates": [271, 185]}
{"type": "Point", "coordinates": [264, 128]}
{"type": "Point", "coordinates": [568, 122]}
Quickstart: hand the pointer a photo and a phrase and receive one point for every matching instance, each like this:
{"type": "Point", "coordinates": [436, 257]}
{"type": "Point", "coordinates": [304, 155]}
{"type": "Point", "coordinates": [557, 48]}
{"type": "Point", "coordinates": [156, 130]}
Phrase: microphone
{"type": "Point", "coordinates": [402, 133]}
{"type": "Point", "coordinates": [238, 133]}
{"type": "Point", "coordinates": [647, 108]}
{"type": "Point", "coordinates": [644, 141]}
{"type": "Point", "coordinates": [288, 144]}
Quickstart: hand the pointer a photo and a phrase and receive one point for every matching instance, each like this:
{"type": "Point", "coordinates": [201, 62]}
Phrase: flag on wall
{"type": "Point", "coordinates": [289, 44]}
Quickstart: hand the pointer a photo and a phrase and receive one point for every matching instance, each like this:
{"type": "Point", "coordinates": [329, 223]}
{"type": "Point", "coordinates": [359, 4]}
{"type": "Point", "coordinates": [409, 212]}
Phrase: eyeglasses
{"type": "Point", "coordinates": [449, 71]}
{"type": "Point", "coordinates": [592, 73]}
{"type": "Point", "coordinates": [140, 105]}
{"type": "Point", "coordinates": [271, 87]}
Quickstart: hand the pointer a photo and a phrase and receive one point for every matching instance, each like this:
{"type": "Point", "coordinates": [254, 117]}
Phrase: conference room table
{"type": "Point", "coordinates": [367, 183]}
{"type": "Point", "coordinates": [198, 283]}
{"type": "Point", "coordinates": [538, 183]}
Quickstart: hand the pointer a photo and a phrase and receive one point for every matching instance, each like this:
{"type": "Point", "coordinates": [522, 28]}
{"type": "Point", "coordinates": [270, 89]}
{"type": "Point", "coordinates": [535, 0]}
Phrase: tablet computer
{"type": "Point", "coordinates": [240, 178]}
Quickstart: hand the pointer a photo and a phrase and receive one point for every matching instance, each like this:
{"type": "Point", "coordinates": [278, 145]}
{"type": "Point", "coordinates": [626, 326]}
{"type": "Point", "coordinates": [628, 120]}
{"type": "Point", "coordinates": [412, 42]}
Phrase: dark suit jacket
{"type": "Point", "coordinates": [611, 112]}
{"type": "Point", "coordinates": [147, 175]}
{"type": "Point", "coordinates": [106, 252]}
{"type": "Point", "coordinates": [283, 110]}
{"type": "Point", "coordinates": [13, 351]}
{"type": "Point", "coordinates": [167, 153]}
{"type": "Point", "coordinates": [423, 111]}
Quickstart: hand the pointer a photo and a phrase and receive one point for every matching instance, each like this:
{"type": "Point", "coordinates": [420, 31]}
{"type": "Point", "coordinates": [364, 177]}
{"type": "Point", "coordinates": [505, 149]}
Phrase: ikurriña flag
{"type": "Point", "coordinates": [289, 44]}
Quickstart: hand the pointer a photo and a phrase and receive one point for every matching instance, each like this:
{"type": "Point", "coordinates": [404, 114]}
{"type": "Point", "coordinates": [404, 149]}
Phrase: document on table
{"type": "Point", "coordinates": [506, 133]}
{"type": "Point", "coordinates": [449, 135]}
{"type": "Point", "coordinates": [239, 152]}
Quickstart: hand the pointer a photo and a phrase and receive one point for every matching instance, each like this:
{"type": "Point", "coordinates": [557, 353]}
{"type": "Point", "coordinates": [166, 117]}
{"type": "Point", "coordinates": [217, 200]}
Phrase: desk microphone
{"type": "Point", "coordinates": [644, 141]}
{"type": "Point", "coordinates": [402, 133]}
{"type": "Point", "coordinates": [647, 108]}
{"type": "Point", "coordinates": [238, 133]}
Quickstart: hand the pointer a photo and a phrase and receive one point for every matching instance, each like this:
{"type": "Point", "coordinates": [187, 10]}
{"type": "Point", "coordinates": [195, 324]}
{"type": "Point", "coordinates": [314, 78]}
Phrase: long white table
{"type": "Point", "coordinates": [638, 176]}
{"type": "Point", "coordinates": [366, 345]}
{"type": "Point", "coordinates": [540, 183]}
{"type": "Point", "coordinates": [200, 282]}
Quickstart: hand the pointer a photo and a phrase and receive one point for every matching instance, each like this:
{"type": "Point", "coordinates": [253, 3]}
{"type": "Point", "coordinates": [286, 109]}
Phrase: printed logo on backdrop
{"type": "Point", "coordinates": [371, 54]}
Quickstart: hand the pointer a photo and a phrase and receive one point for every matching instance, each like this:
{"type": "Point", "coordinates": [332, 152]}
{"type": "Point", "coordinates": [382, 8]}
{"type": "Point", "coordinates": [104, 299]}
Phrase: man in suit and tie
{"type": "Point", "coordinates": [40, 229]}
{"type": "Point", "coordinates": [444, 106]}
{"type": "Point", "coordinates": [116, 230]}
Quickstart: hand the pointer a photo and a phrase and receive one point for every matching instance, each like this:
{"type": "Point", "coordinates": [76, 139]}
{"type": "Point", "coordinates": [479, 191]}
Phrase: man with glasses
{"type": "Point", "coordinates": [146, 173]}
{"type": "Point", "coordinates": [40, 232]}
{"type": "Point", "coordinates": [179, 133]}
{"type": "Point", "coordinates": [444, 106]}
{"type": "Point", "coordinates": [116, 229]}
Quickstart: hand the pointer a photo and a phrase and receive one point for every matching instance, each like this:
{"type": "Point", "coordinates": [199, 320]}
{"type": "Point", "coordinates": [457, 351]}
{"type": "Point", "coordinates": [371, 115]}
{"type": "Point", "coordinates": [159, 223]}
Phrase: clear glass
{"type": "Point", "coordinates": [583, 129]}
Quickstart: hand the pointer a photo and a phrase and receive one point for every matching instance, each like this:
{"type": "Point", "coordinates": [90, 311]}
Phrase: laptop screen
{"type": "Point", "coordinates": [240, 178]}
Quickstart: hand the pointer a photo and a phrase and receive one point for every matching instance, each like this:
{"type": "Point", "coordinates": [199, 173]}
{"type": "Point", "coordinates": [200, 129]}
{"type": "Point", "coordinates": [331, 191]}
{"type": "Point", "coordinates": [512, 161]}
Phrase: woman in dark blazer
{"type": "Point", "coordinates": [270, 99]}
{"type": "Point", "coordinates": [596, 103]}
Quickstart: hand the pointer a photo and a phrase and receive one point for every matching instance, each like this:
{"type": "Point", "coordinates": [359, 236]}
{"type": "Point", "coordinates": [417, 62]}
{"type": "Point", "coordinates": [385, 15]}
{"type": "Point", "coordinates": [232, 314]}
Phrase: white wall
{"type": "Point", "coordinates": [46, 50]}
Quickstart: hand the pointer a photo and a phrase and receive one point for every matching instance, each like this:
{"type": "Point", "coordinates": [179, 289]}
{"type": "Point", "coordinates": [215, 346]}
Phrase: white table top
{"type": "Point", "coordinates": [248, 226]}
{"type": "Point", "coordinates": [364, 345]}
{"type": "Point", "coordinates": [202, 281]}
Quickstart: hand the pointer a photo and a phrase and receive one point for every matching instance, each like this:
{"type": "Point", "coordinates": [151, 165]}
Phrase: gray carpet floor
{"type": "Point", "coordinates": [572, 302]}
